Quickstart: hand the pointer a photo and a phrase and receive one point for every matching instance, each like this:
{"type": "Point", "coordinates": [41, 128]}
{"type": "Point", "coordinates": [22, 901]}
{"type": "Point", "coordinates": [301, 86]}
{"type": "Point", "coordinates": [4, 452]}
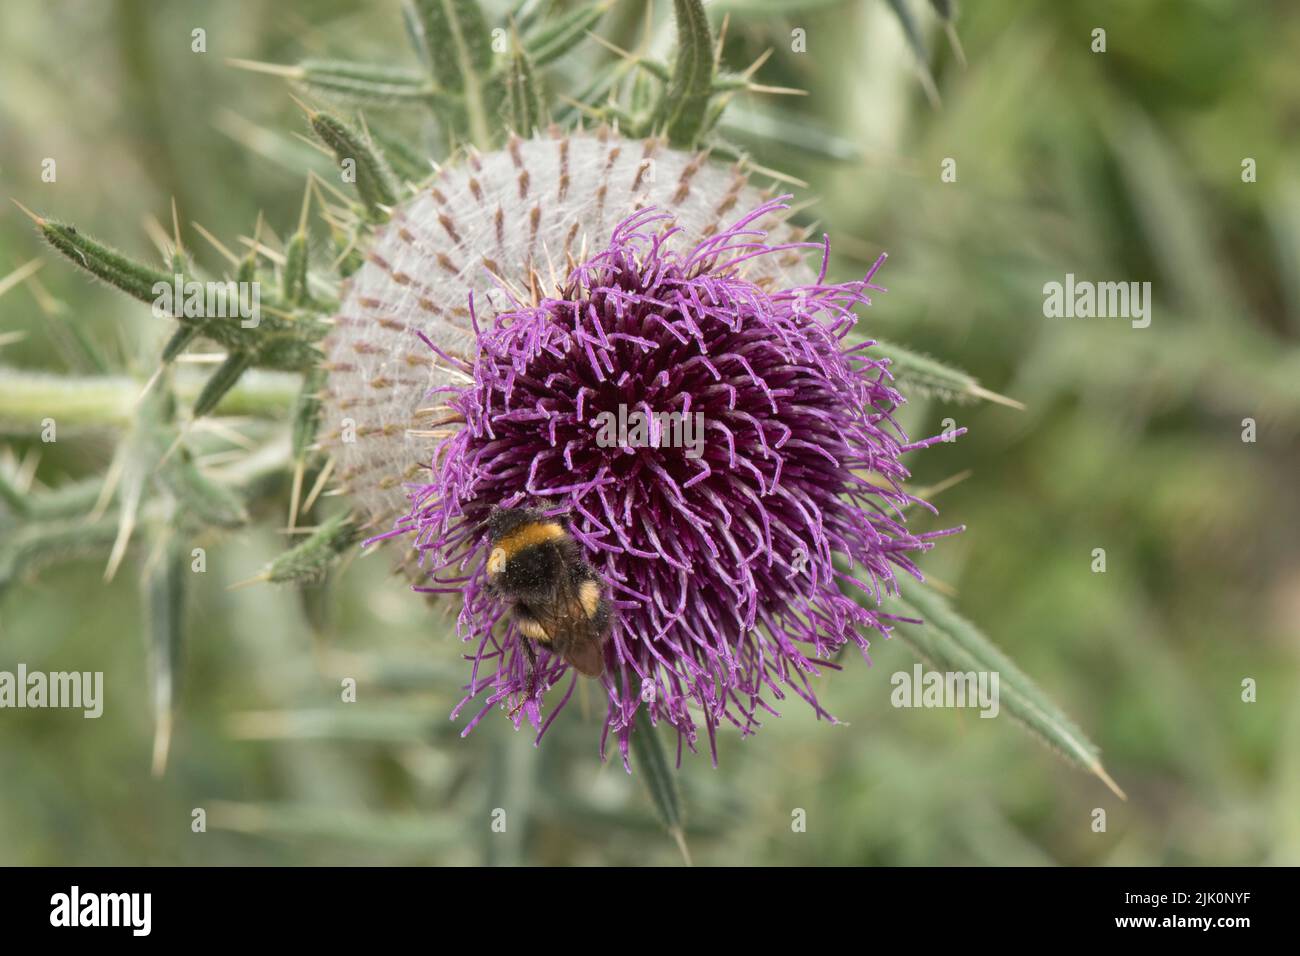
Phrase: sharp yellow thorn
{"type": "Point", "coordinates": [162, 742]}
{"type": "Point", "coordinates": [1100, 771]}
{"type": "Point", "coordinates": [647, 28]}
{"type": "Point", "coordinates": [984, 393]}
{"type": "Point", "coordinates": [343, 255]}
{"type": "Point", "coordinates": [680, 839]}
{"type": "Point", "coordinates": [927, 84]}
{"type": "Point", "coordinates": [315, 144]}
{"type": "Point", "coordinates": [753, 67]}
{"type": "Point", "coordinates": [153, 379]}
{"type": "Point", "coordinates": [20, 274]}
{"type": "Point", "coordinates": [176, 228]}
{"type": "Point", "coordinates": [325, 184]}
{"type": "Point", "coordinates": [798, 207]}
{"type": "Point", "coordinates": [310, 111]}
{"type": "Point", "coordinates": [780, 177]}
{"type": "Point", "coordinates": [216, 244]}
{"type": "Point", "coordinates": [943, 587]}
{"type": "Point", "coordinates": [955, 42]}
{"type": "Point", "coordinates": [30, 215]}
{"type": "Point", "coordinates": [125, 528]}
{"type": "Point", "coordinates": [116, 468]}
{"type": "Point", "coordinates": [294, 493]}
{"type": "Point", "coordinates": [262, 248]}
{"type": "Point", "coordinates": [259, 579]}
{"type": "Point", "coordinates": [942, 486]}
{"type": "Point", "coordinates": [218, 458]}
{"type": "Point", "coordinates": [274, 69]}
{"type": "Point", "coordinates": [614, 48]}
{"type": "Point", "coordinates": [176, 443]}
{"type": "Point", "coordinates": [306, 208]}
{"type": "Point", "coordinates": [25, 479]}
{"type": "Point", "coordinates": [550, 265]}
{"type": "Point", "coordinates": [157, 235]}
{"type": "Point", "coordinates": [776, 90]}
{"type": "Point", "coordinates": [48, 305]}
{"type": "Point", "coordinates": [223, 431]}
{"type": "Point", "coordinates": [570, 102]}
{"type": "Point", "coordinates": [319, 485]}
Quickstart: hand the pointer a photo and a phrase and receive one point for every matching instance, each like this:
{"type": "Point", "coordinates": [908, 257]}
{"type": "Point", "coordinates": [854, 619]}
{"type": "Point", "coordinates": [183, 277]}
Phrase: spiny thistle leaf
{"type": "Point", "coordinates": [40, 542]}
{"type": "Point", "coordinates": [657, 777]}
{"type": "Point", "coordinates": [458, 44]}
{"type": "Point", "coordinates": [221, 381]}
{"type": "Point", "coordinates": [685, 102]}
{"type": "Point", "coordinates": [199, 496]}
{"type": "Point", "coordinates": [554, 38]}
{"type": "Point", "coordinates": [922, 374]}
{"type": "Point", "coordinates": [294, 277]}
{"type": "Point", "coordinates": [134, 278]}
{"type": "Point", "coordinates": [368, 84]}
{"type": "Point", "coordinates": [947, 12]}
{"type": "Point", "coordinates": [791, 132]}
{"type": "Point", "coordinates": [527, 111]}
{"type": "Point", "coordinates": [950, 642]}
{"type": "Point", "coordinates": [452, 30]}
{"type": "Point", "coordinates": [407, 162]}
{"type": "Point", "coordinates": [273, 342]}
{"type": "Point", "coordinates": [153, 448]}
{"type": "Point", "coordinates": [314, 556]}
{"type": "Point", "coordinates": [374, 180]}
{"type": "Point", "coordinates": [911, 29]}
{"type": "Point", "coordinates": [164, 591]}
{"type": "Point", "coordinates": [180, 340]}
{"type": "Point", "coordinates": [306, 413]}
{"type": "Point", "coordinates": [74, 500]}
{"type": "Point", "coordinates": [916, 40]}
{"type": "Point", "coordinates": [13, 498]}
{"type": "Point", "coordinates": [247, 271]}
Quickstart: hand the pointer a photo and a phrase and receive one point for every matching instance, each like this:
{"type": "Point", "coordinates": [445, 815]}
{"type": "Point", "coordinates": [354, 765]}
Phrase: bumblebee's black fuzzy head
{"type": "Point", "coordinates": [529, 551]}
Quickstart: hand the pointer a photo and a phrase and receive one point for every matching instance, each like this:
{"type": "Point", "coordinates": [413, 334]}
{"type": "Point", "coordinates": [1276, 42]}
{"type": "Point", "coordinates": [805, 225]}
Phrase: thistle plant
{"type": "Point", "coordinates": [444, 336]}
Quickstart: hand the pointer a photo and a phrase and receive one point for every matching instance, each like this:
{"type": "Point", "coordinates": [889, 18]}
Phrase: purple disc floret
{"type": "Point", "coordinates": [726, 561]}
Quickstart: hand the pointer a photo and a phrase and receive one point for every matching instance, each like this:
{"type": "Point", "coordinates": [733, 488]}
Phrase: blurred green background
{"type": "Point", "coordinates": [1115, 166]}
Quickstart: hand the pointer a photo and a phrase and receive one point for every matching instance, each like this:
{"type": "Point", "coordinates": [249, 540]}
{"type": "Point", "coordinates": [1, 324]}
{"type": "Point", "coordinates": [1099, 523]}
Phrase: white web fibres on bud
{"type": "Point", "coordinates": [487, 223]}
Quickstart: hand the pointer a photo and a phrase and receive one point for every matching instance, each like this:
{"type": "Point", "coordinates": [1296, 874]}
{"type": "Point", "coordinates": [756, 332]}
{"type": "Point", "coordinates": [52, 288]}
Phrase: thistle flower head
{"type": "Point", "coordinates": [724, 556]}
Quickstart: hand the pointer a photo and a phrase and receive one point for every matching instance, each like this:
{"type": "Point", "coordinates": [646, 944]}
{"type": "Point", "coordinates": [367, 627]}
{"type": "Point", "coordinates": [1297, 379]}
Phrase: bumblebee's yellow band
{"type": "Point", "coordinates": [529, 535]}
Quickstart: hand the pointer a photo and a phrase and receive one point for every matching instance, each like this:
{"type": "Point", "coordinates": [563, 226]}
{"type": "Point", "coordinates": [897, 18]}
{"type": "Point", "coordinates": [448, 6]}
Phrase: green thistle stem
{"type": "Point", "coordinates": [26, 398]}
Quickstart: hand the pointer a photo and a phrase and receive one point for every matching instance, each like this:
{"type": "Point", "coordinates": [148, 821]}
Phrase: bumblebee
{"type": "Point", "coordinates": [556, 598]}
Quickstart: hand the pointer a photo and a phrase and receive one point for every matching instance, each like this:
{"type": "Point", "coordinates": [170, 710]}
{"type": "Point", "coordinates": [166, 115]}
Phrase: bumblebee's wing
{"type": "Point", "coordinates": [587, 655]}
{"type": "Point", "coordinates": [570, 630]}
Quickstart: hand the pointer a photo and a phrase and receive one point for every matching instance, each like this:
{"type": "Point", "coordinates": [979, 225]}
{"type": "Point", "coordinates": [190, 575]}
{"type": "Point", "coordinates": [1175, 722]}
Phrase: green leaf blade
{"type": "Point", "coordinates": [950, 642]}
{"type": "Point", "coordinates": [656, 773]}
